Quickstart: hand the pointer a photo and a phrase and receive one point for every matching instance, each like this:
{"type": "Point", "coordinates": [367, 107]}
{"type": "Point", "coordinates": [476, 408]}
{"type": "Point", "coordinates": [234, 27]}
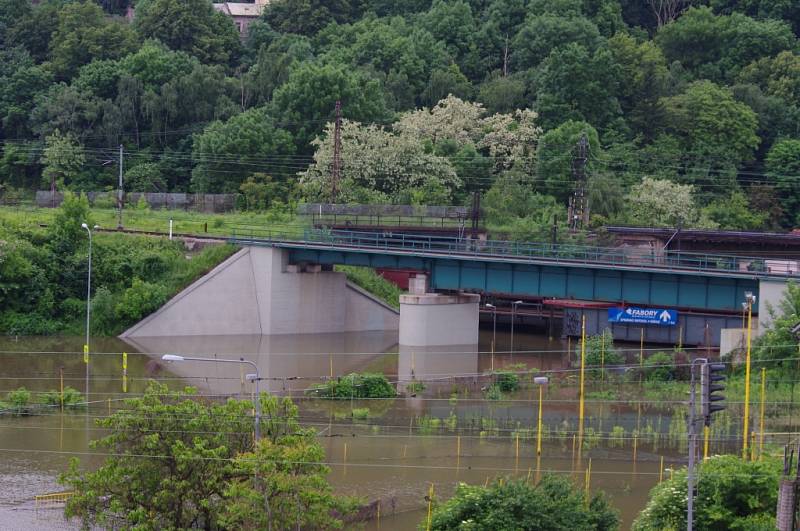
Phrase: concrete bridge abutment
{"type": "Point", "coordinates": [257, 292]}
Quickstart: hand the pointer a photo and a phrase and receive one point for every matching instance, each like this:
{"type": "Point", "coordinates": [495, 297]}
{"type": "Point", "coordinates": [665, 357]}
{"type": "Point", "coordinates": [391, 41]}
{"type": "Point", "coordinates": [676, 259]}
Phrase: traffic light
{"type": "Point", "coordinates": [709, 376]}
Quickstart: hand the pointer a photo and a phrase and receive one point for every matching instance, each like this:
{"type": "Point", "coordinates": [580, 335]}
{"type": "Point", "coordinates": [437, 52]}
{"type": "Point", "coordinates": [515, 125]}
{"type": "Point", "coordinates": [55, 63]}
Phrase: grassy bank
{"type": "Point", "coordinates": [184, 222]}
{"type": "Point", "coordinates": [371, 281]}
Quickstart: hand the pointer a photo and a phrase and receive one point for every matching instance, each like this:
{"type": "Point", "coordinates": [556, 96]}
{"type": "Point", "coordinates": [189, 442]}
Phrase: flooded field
{"type": "Point", "coordinates": [388, 451]}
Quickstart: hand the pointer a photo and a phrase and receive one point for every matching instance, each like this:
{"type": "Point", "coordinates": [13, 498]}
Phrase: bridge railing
{"type": "Point", "coordinates": [486, 248]}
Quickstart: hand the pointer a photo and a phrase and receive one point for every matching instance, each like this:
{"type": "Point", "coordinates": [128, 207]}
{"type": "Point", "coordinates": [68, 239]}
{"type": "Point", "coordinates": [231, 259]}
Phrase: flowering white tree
{"type": "Point", "coordinates": [378, 166]}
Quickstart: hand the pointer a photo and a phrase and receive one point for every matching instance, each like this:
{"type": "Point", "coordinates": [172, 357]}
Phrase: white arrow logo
{"type": "Point", "coordinates": [665, 316]}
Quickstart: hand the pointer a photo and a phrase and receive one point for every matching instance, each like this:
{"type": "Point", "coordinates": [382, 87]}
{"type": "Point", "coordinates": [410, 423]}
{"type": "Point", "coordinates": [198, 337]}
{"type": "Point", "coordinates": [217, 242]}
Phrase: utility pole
{"type": "Point", "coordinates": [337, 152]}
{"type": "Point", "coordinates": [578, 202]}
{"type": "Point", "coordinates": [476, 214]}
{"type": "Point", "coordinates": [120, 192]}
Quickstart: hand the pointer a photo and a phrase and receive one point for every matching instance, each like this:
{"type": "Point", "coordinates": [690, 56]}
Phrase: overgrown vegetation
{"type": "Point", "coordinates": [355, 385]}
{"type": "Point", "coordinates": [43, 274]}
{"type": "Point", "coordinates": [372, 282]}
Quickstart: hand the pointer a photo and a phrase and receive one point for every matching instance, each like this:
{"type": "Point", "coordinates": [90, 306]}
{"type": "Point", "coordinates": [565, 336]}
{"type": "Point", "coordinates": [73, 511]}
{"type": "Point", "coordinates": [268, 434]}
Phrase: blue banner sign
{"type": "Point", "coordinates": [650, 316]}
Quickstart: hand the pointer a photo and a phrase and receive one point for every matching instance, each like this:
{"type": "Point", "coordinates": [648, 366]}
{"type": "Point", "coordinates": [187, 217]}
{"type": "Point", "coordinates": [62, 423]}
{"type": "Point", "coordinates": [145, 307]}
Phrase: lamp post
{"type": "Point", "coordinates": [250, 377]}
{"type": "Point", "coordinates": [494, 329]}
{"type": "Point", "coordinates": [513, 318]}
{"type": "Point", "coordinates": [541, 381]}
{"type": "Point", "coordinates": [88, 306]}
{"type": "Point", "coordinates": [749, 300]}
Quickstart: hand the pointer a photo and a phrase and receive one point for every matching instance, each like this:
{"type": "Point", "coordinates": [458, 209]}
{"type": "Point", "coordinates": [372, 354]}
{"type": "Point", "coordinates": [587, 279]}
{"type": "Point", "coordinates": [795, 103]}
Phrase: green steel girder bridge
{"type": "Point", "coordinates": [693, 281]}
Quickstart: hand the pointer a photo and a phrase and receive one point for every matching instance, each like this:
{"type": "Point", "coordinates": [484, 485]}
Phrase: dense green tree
{"type": "Point", "coordinates": [576, 84]}
{"type": "Point", "coordinates": [711, 124]}
{"type": "Point", "coordinates": [452, 23]}
{"type": "Point", "coordinates": [34, 29]}
{"type": "Point", "coordinates": [733, 212]}
{"type": "Point", "coordinates": [718, 47]}
{"type": "Point", "coordinates": [644, 70]}
{"type": "Point", "coordinates": [730, 493]}
{"type": "Point", "coordinates": [21, 81]}
{"type": "Point", "coordinates": [777, 76]}
{"type": "Point", "coordinates": [512, 207]}
{"type": "Point", "coordinates": [63, 160]}
{"type": "Point", "coordinates": [192, 26]}
{"type": "Point", "coordinates": [783, 169]}
{"type": "Point", "coordinates": [202, 468]}
{"type": "Point", "coordinates": [145, 177]}
{"type": "Point", "coordinates": [405, 53]}
{"type": "Point", "coordinates": [226, 152]}
{"type": "Point", "coordinates": [554, 504]}
{"type": "Point", "coordinates": [763, 9]}
{"type": "Point", "coordinates": [308, 99]}
{"type": "Point", "coordinates": [65, 108]}
{"type": "Point", "coordinates": [445, 82]}
{"type": "Point", "coordinates": [777, 343]}
{"type": "Point", "coordinates": [307, 17]}
{"type": "Point", "coordinates": [555, 155]}
{"type": "Point", "coordinates": [502, 94]}
{"type": "Point", "coordinates": [85, 33]}
{"type": "Point", "coordinates": [154, 64]}
{"type": "Point", "coordinates": [540, 35]}
{"type": "Point", "coordinates": [272, 67]}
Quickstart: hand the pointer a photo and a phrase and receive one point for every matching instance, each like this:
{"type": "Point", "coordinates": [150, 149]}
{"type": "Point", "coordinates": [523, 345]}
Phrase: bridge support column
{"type": "Point", "coordinates": [431, 320]}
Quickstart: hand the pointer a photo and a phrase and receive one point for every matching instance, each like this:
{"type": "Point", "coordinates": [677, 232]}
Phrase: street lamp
{"type": "Point", "coordinates": [541, 381]}
{"type": "Point", "coordinates": [494, 329]}
{"type": "Point", "coordinates": [88, 306]}
{"type": "Point", "coordinates": [513, 318]}
{"type": "Point", "coordinates": [749, 300]}
{"type": "Point", "coordinates": [250, 377]}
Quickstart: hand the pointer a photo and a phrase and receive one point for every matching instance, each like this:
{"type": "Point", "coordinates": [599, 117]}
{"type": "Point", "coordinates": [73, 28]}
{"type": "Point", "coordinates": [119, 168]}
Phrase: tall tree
{"type": "Point", "coordinates": [307, 17]}
{"type": "Point", "coordinates": [85, 33]}
{"type": "Point", "coordinates": [783, 168]}
{"type": "Point", "coordinates": [192, 26]}
{"type": "Point", "coordinates": [308, 99]}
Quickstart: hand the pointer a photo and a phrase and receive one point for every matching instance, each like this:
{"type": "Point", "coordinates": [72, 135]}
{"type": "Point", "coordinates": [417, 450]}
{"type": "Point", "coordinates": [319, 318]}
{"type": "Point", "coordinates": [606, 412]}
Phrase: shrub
{"type": "Point", "coordinates": [599, 351]}
{"type": "Point", "coordinates": [554, 504]}
{"type": "Point", "coordinates": [355, 385]}
{"type": "Point", "coordinates": [494, 392]}
{"type": "Point", "coordinates": [659, 367]}
{"type": "Point", "coordinates": [732, 493]}
{"type": "Point", "coordinates": [360, 413]}
{"type": "Point", "coordinates": [141, 299]}
{"type": "Point", "coordinates": [506, 381]}
{"type": "Point", "coordinates": [415, 387]}
{"type": "Point", "coordinates": [73, 399]}
{"type": "Point", "coordinates": [19, 401]}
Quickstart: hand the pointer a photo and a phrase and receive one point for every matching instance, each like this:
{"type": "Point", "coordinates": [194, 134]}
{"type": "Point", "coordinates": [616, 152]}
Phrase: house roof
{"type": "Point", "coordinates": [238, 9]}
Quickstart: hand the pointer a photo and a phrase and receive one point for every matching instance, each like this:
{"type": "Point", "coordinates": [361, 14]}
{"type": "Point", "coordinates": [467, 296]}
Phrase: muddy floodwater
{"type": "Point", "coordinates": [386, 451]}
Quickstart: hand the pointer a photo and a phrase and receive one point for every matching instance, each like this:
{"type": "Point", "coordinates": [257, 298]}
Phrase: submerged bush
{"type": "Point", "coordinates": [659, 367]}
{"type": "Point", "coordinates": [507, 381]}
{"type": "Point", "coordinates": [355, 385]}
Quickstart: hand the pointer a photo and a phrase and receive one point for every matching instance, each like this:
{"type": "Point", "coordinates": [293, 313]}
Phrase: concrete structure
{"type": "Point", "coordinates": [771, 293]}
{"type": "Point", "coordinates": [256, 291]}
{"type": "Point", "coordinates": [242, 14]}
{"type": "Point", "coordinates": [432, 320]}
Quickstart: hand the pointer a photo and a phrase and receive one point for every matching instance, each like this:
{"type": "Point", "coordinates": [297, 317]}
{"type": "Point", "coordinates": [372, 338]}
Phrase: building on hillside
{"type": "Point", "coordinates": [242, 14]}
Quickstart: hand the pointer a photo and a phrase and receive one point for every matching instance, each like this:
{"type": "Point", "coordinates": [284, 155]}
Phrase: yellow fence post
{"type": "Point", "coordinates": [706, 434]}
{"type": "Point", "coordinates": [430, 507]}
{"type": "Point", "coordinates": [661, 470]}
{"type": "Point", "coordinates": [61, 376]}
{"type": "Point", "coordinates": [761, 415]}
{"type": "Point", "coordinates": [583, 364]}
{"type": "Point", "coordinates": [124, 372]}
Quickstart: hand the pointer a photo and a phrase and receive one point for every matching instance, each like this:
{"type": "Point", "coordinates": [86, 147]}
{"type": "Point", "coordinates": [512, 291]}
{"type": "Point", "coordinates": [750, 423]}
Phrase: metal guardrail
{"type": "Point", "coordinates": [557, 253]}
{"type": "Point", "coordinates": [53, 498]}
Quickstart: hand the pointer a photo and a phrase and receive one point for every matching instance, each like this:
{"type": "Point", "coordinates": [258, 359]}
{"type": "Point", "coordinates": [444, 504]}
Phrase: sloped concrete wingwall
{"type": "Point", "coordinates": [253, 293]}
